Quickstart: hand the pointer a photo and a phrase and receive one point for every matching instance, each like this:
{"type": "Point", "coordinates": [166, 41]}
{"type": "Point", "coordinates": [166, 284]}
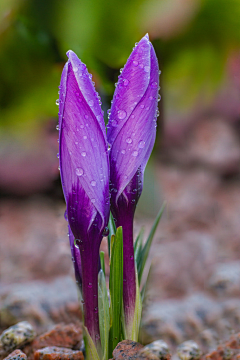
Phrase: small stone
{"type": "Point", "coordinates": [188, 350]}
{"type": "Point", "coordinates": [16, 336]}
{"type": "Point", "coordinates": [61, 335]}
{"type": "Point", "coordinates": [58, 353]}
{"type": "Point", "coordinates": [16, 355]}
{"type": "Point", "coordinates": [156, 350]}
{"type": "Point", "coordinates": [126, 349]}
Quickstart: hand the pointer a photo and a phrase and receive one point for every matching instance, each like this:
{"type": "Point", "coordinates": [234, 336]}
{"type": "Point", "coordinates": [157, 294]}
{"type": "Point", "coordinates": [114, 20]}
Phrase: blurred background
{"type": "Point", "coordinates": [195, 165]}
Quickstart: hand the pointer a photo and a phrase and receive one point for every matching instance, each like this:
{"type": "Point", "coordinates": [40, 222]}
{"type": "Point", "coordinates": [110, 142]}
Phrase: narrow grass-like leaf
{"type": "Point", "coordinates": [116, 289]}
{"type": "Point", "coordinates": [112, 231]}
{"type": "Point", "coordinates": [102, 261]}
{"type": "Point", "coordinates": [103, 311]}
{"type": "Point", "coordinates": [91, 351]}
{"type": "Point", "coordinates": [137, 313]}
{"type": "Point", "coordinates": [138, 246]}
{"type": "Point", "coordinates": [143, 291]}
{"type": "Point", "coordinates": [146, 248]}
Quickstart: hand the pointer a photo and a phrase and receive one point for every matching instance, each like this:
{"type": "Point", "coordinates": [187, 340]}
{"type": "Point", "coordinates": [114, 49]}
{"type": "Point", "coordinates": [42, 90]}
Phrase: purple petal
{"type": "Point", "coordinates": [134, 142]}
{"type": "Point", "coordinates": [132, 85]}
{"type": "Point", "coordinates": [83, 149]}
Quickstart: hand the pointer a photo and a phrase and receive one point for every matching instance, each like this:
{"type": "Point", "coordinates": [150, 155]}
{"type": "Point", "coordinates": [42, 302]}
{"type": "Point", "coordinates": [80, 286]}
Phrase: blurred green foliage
{"type": "Point", "coordinates": [35, 35]}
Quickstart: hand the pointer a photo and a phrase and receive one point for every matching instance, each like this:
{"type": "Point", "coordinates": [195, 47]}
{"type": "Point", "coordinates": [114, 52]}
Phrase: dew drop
{"type": "Point", "coordinates": [106, 231]}
{"type": "Point", "coordinates": [57, 102]}
{"type": "Point", "coordinates": [135, 153]}
{"type": "Point", "coordinates": [93, 183]}
{"type": "Point", "coordinates": [91, 102]}
{"type": "Point", "coordinates": [135, 63]}
{"type": "Point", "coordinates": [142, 106]}
{"type": "Point", "coordinates": [58, 155]}
{"type": "Point", "coordinates": [83, 153]}
{"type": "Point", "coordinates": [99, 117]}
{"type": "Point", "coordinates": [114, 123]}
{"type": "Point", "coordinates": [123, 152]}
{"type": "Point", "coordinates": [57, 127]}
{"type": "Point", "coordinates": [141, 144]}
{"type": "Point", "coordinates": [93, 201]}
{"type": "Point", "coordinates": [131, 257]}
{"type": "Point", "coordinates": [129, 140]}
{"type": "Point", "coordinates": [146, 68]}
{"type": "Point", "coordinates": [141, 66]}
{"type": "Point", "coordinates": [86, 116]}
{"type": "Point", "coordinates": [154, 85]}
{"type": "Point", "coordinates": [90, 285]}
{"type": "Point", "coordinates": [79, 171]}
{"type": "Point", "coordinates": [121, 114]}
{"type": "Point", "coordinates": [85, 137]}
{"type": "Point", "coordinates": [132, 116]}
{"type": "Point", "coordinates": [75, 68]}
{"type": "Point", "coordinates": [125, 82]}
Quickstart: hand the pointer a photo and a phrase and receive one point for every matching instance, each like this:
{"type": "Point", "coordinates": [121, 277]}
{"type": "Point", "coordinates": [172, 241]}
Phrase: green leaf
{"type": "Point", "coordinates": [102, 261]}
{"type": "Point", "coordinates": [116, 288]}
{"type": "Point", "coordinates": [137, 313]}
{"type": "Point", "coordinates": [104, 317]}
{"type": "Point", "coordinates": [143, 291]}
{"type": "Point", "coordinates": [112, 231]}
{"type": "Point", "coordinates": [91, 351]}
{"type": "Point", "coordinates": [146, 248]}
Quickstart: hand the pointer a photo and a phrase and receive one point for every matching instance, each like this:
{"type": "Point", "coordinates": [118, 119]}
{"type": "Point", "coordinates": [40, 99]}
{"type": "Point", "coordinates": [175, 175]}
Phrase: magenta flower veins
{"type": "Point", "coordinates": [131, 134]}
{"type": "Point", "coordinates": [84, 170]}
{"type": "Point", "coordinates": [94, 165]}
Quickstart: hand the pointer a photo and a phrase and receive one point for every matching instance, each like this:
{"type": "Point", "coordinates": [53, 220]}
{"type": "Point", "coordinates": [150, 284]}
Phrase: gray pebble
{"type": "Point", "coordinates": [159, 348]}
{"type": "Point", "coordinates": [16, 336]}
{"type": "Point", "coordinates": [188, 350]}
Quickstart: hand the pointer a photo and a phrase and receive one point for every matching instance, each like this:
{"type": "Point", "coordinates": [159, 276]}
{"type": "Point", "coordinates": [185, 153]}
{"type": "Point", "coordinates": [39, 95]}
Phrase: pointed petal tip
{"type": "Point", "coordinates": [147, 36]}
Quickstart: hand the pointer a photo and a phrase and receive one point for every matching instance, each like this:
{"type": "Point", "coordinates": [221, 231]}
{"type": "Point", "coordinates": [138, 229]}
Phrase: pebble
{"type": "Point", "coordinates": [126, 349]}
{"type": "Point", "coordinates": [158, 348]}
{"type": "Point", "coordinates": [58, 353]}
{"type": "Point", "coordinates": [188, 350]}
{"type": "Point", "coordinates": [16, 355]}
{"type": "Point", "coordinates": [16, 336]}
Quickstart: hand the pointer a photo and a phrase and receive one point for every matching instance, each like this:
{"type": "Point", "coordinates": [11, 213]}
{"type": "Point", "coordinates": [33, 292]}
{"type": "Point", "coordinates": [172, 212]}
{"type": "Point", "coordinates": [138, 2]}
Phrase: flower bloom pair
{"type": "Point", "coordinates": [100, 170]}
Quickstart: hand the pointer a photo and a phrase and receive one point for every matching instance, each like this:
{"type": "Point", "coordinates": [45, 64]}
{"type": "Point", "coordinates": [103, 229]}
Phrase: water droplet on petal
{"type": "Point", "coordinates": [150, 98]}
{"type": "Point", "coordinates": [93, 183]}
{"type": "Point", "coordinates": [114, 123]}
{"type": "Point", "coordinates": [154, 85]}
{"type": "Point", "coordinates": [135, 153]}
{"type": "Point", "coordinates": [91, 102]}
{"type": "Point", "coordinates": [106, 231]}
{"type": "Point", "coordinates": [57, 102]}
{"type": "Point", "coordinates": [86, 116]}
{"type": "Point", "coordinates": [147, 68]}
{"type": "Point", "coordinates": [79, 171]}
{"type": "Point", "coordinates": [90, 285]}
{"type": "Point", "coordinates": [121, 114]}
{"type": "Point", "coordinates": [141, 66]}
{"type": "Point", "coordinates": [58, 155]}
{"type": "Point", "coordinates": [141, 144]}
{"type": "Point", "coordinates": [142, 106]}
{"type": "Point", "coordinates": [125, 82]}
{"type": "Point", "coordinates": [85, 137]}
{"type": "Point", "coordinates": [57, 127]}
{"type": "Point", "coordinates": [83, 153]}
{"type": "Point", "coordinates": [123, 151]}
{"type": "Point", "coordinates": [135, 63]}
{"type": "Point", "coordinates": [132, 116]}
{"type": "Point", "coordinates": [129, 140]}
{"type": "Point", "coordinates": [93, 201]}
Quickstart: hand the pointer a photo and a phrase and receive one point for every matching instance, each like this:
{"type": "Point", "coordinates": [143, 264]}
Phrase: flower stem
{"type": "Point", "coordinates": [90, 267]}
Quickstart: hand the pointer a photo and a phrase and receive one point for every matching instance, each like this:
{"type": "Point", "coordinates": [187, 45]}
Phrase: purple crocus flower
{"type": "Point", "coordinates": [84, 171]}
{"type": "Point", "coordinates": [131, 135]}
